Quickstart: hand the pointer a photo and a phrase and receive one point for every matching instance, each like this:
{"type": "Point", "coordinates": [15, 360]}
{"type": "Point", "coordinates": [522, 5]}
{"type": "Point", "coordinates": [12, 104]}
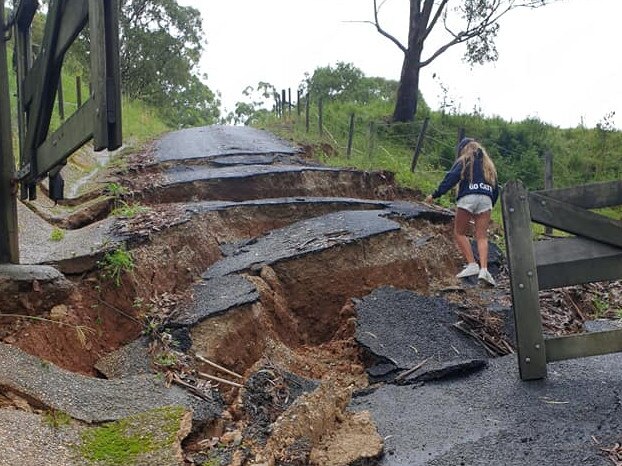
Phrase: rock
{"type": "Point", "coordinates": [59, 313]}
{"type": "Point", "coordinates": [32, 289]}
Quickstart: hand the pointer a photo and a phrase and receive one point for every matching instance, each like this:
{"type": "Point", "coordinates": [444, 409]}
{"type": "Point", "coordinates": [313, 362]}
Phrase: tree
{"type": "Point", "coordinates": [473, 22]}
{"type": "Point", "coordinates": [160, 48]}
{"type": "Point", "coordinates": [345, 82]}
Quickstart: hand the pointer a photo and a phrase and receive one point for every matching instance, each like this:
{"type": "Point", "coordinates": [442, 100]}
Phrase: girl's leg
{"type": "Point", "coordinates": [481, 235]}
{"type": "Point", "coordinates": [461, 226]}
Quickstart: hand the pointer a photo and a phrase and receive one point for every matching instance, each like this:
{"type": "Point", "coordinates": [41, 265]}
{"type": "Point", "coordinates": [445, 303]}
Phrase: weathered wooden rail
{"type": "Point", "coordinates": [593, 254]}
{"type": "Point", "coordinates": [98, 119]}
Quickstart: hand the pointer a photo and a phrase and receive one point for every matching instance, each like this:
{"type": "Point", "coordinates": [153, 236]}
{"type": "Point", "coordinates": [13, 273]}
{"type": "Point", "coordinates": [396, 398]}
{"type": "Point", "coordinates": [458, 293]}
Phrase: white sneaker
{"type": "Point", "coordinates": [484, 275]}
{"type": "Point", "coordinates": [469, 270]}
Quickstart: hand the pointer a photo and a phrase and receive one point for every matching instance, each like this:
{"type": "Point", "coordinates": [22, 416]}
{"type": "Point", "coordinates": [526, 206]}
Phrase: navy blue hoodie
{"type": "Point", "coordinates": [479, 185]}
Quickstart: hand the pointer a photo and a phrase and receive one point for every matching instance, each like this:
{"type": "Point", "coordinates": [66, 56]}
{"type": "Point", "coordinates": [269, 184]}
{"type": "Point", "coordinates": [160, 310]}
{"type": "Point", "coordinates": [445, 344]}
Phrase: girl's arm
{"type": "Point", "coordinates": [451, 179]}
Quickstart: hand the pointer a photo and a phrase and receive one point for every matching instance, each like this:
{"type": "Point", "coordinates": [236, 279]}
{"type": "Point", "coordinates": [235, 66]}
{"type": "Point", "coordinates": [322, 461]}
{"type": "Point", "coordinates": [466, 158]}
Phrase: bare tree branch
{"type": "Point", "coordinates": [384, 33]}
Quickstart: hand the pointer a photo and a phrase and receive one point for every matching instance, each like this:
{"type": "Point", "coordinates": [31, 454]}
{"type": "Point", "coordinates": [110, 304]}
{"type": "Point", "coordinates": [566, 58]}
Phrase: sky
{"type": "Point", "coordinates": [559, 63]}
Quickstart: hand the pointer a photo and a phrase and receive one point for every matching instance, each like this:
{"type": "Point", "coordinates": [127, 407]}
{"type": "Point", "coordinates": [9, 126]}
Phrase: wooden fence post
{"type": "Point", "coordinates": [61, 100]}
{"type": "Point", "coordinates": [298, 96]}
{"type": "Point", "coordinates": [9, 249]}
{"type": "Point", "coordinates": [283, 102]}
{"type": "Point", "coordinates": [289, 100]}
{"type": "Point", "coordinates": [523, 281]}
{"type": "Point", "coordinates": [424, 127]}
{"type": "Point", "coordinates": [350, 135]}
{"type": "Point", "coordinates": [307, 112]}
{"type": "Point", "coordinates": [372, 139]}
{"type": "Point", "coordinates": [321, 116]}
{"type": "Point", "coordinates": [79, 90]}
{"type": "Point", "coordinates": [548, 179]}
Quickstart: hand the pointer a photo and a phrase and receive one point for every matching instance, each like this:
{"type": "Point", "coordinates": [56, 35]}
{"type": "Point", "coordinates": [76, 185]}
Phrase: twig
{"type": "Point", "coordinates": [575, 306]}
{"type": "Point", "coordinates": [476, 337]}
{"type": "Point", "coordinates": [213, 364]}
{"type": "Point", "coordinates": [410, 371]}
{"type": "Point", "coordinates": [192, 388]}
{"type": "Point", "coordinates": [218, 379]}
{"type": "Point", "coordinates": [116, 309]}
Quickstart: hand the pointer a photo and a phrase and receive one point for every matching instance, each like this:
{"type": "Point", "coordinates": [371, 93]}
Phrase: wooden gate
{"type": "Point", "coordinates": [594, 254]}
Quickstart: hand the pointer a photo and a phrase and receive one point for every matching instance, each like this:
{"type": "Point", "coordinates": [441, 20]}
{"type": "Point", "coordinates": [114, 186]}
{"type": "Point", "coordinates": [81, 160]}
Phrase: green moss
{"type": "Point", "coordinates": [57, 234]}
{"type": "Point", "coordinates": [124, 442]}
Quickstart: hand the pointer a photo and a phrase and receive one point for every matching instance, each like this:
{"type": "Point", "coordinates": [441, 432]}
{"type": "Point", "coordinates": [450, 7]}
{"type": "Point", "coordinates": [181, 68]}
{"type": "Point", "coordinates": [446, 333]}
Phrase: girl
{"type": "Point", "coordinates": [478, 190]}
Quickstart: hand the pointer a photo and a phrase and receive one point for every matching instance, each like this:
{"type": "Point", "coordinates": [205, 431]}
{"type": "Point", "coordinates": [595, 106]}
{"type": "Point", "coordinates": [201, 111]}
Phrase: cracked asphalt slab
{"type": "Point", "coordinates": [95, 400]}
{"type": "Point", "coordinates": [403, 329]}
{"type": "Point", "coordinates": [303, 238]}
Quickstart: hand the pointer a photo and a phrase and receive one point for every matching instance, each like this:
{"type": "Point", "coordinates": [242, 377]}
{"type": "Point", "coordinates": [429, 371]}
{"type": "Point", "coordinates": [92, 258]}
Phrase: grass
{"type": "Point", "coordinates": [115, 264]}
{"type": "Point", "coordinates": [56, 419]}
{"type": "Point", "coordinates": [125, 210]}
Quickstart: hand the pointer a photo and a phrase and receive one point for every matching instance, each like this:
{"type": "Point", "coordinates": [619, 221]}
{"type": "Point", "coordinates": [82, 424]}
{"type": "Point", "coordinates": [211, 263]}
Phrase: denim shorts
{"type": "Point", "coordinates": [475, 203]}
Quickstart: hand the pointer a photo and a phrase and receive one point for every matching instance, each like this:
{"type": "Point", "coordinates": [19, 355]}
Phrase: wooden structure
{"type": "Point", "coordinates": [594, 254]}
{"type": "Point", "coordinates": [38, 78]}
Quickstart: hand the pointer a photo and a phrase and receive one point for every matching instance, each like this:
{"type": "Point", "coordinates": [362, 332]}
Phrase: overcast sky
{"type": "Point", "coordinates": [560, 63]}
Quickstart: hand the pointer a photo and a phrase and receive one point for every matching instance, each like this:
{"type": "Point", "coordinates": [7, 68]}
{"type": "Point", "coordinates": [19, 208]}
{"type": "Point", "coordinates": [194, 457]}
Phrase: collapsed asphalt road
{"type": "Point", "coordinates": [298, 276]}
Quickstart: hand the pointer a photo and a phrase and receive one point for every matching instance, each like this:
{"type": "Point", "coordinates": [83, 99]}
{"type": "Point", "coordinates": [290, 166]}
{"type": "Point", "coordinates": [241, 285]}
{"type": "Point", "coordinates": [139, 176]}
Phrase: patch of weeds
{"type": "Point", "coordinates": [125, 210]}
{"type": "Point", "coordinates": [166, 359]}
{"type": "Point", "coordinates": [57, 234]}
{"type": "Point", "coordinates": [56, 419]}
{"type": "Point", "coordinates": [601, 306]}
{"type": "Point", "coordinates": [115, 190]}
{"type": "Point", "coordinates": [115, 264]}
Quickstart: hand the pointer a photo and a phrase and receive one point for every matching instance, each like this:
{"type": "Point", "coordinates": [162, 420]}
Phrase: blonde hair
{"type": "Point", "coordinates": [467, 156]}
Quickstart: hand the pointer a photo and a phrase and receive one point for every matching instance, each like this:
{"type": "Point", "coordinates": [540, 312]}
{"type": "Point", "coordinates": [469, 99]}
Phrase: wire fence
{"type": "Point", "coordinates": [429, 146]}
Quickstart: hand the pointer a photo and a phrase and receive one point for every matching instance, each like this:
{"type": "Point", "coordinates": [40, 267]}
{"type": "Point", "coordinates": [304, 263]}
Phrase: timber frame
{"type": "Point", "coordinates": [99, 118]}
{"type": "Point", "coordinates": [594, 254]}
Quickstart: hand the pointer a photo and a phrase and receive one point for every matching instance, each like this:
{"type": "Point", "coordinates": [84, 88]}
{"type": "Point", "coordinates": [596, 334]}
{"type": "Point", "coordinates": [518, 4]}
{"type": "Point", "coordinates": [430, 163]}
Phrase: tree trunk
{"type": "Point", "coordinates": [408, 90]}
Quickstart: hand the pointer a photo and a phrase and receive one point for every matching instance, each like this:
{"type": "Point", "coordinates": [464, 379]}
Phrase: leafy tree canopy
{"type": "Point", "coordinates": [161, 44]}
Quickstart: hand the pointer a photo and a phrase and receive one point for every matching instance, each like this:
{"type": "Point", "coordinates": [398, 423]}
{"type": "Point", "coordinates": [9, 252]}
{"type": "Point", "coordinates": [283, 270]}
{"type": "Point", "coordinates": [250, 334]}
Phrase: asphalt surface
{"type": "Point", "coordinates": [94, 400]}
{"type": "Point", "coordinates": [493, 418]}
{"type": "Point", "coordinates": [216, 141]}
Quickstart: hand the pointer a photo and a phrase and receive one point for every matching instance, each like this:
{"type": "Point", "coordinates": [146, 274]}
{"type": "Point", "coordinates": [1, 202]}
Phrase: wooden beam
{"type": "Point", "coordinates": [113, 75]}
{"type": "Point", "coordinates": [523, 281]}
{"type": "Point", "coordinates": [572, 261]}
{"type": "Point", "coordinates": [9, 249]}
{"type": "Point", "coordinates": [42, 105]}
{"type": "Point", "coordinates": [588, 196]}
{"type": "Point", "coordinates": [583, 345]}
{"type": "Point", "coordinates": [72, 135]}
{"type": "Point", "coordinates": [567, 217]}
{"type": "Point", "coordinates": [74, 18]}
{"type": "Point", "coordinates": [105, 76]}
